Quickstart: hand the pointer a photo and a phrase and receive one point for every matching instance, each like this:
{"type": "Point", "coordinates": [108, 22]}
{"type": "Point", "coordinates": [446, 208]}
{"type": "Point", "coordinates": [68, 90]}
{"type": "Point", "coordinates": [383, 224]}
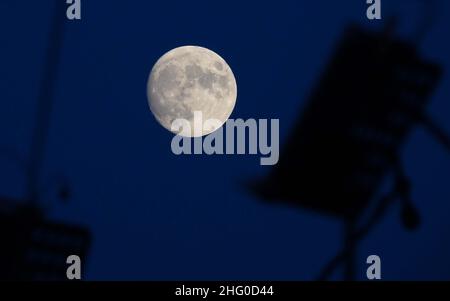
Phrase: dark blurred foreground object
{"type": "Point", "coordinates": [350, 136]}
{"type": "Point", "coordinates": [34, 248]}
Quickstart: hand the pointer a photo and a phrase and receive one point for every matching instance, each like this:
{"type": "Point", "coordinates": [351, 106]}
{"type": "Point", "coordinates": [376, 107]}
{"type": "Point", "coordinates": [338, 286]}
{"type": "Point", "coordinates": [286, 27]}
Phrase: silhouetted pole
{"type": "Point", "coordinates": [45, 101]}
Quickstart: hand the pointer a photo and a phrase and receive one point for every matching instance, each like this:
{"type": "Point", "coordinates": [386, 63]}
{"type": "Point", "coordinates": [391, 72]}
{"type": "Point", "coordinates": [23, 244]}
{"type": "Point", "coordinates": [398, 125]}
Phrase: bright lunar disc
{"type": "Point", "coordinates": [189, 79]}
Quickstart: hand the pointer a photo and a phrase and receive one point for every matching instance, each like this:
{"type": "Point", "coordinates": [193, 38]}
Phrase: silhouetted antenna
{"type": "Point", "coordinates": [45, 101]}
{"type": "Point", "coordinates": [35, 248]}
{"type": "Point", "coordinates": [32, 167]}
{"type": "Point", "coordinates": [372, 94]}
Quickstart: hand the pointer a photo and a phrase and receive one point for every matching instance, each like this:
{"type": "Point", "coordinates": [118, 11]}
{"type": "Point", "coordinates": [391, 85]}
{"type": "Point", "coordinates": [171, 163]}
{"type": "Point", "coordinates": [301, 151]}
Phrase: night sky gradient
{"type": "Point", "coordinates": [156, 216]}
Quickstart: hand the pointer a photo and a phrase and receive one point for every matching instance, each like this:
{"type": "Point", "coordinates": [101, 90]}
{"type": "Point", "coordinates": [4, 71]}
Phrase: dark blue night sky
{"type": "Point", "coordinates": [156, 216]}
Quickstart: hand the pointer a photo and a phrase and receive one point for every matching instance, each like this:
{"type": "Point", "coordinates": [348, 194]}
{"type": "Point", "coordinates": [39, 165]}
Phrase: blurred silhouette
{"type": "Point", "coordinates": [33, 247]}
{"type": "Point", "coordinates": [350, 135]}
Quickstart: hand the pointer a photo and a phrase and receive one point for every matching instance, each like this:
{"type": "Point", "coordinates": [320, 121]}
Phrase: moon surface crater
{"type": "Point", "coordinates": [189, 79]}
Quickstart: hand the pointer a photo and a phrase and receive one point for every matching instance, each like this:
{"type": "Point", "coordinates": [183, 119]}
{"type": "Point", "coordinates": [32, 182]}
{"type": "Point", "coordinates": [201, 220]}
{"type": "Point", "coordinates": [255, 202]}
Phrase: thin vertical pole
{"type": "Point", "coordinates": [45, 101]}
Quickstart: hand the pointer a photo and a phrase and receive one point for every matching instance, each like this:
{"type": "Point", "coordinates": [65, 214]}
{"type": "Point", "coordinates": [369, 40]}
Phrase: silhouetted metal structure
{"type": "Point", "coordinates": [349, 137]}
{"type": "Point", "coordinates": [34, 247]}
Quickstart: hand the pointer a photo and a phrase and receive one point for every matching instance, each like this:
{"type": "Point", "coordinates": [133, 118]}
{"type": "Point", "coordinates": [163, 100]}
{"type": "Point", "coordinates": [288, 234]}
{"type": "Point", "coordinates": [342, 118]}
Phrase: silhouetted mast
{"type": "Point", "coordinates": [45, 102]}
{"type": "Point", "coordinates": [374, 91]}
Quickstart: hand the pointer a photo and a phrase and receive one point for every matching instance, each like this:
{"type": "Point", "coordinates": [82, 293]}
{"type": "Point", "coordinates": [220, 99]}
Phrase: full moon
{"type": "Point", "coordinates": [191, 79]}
